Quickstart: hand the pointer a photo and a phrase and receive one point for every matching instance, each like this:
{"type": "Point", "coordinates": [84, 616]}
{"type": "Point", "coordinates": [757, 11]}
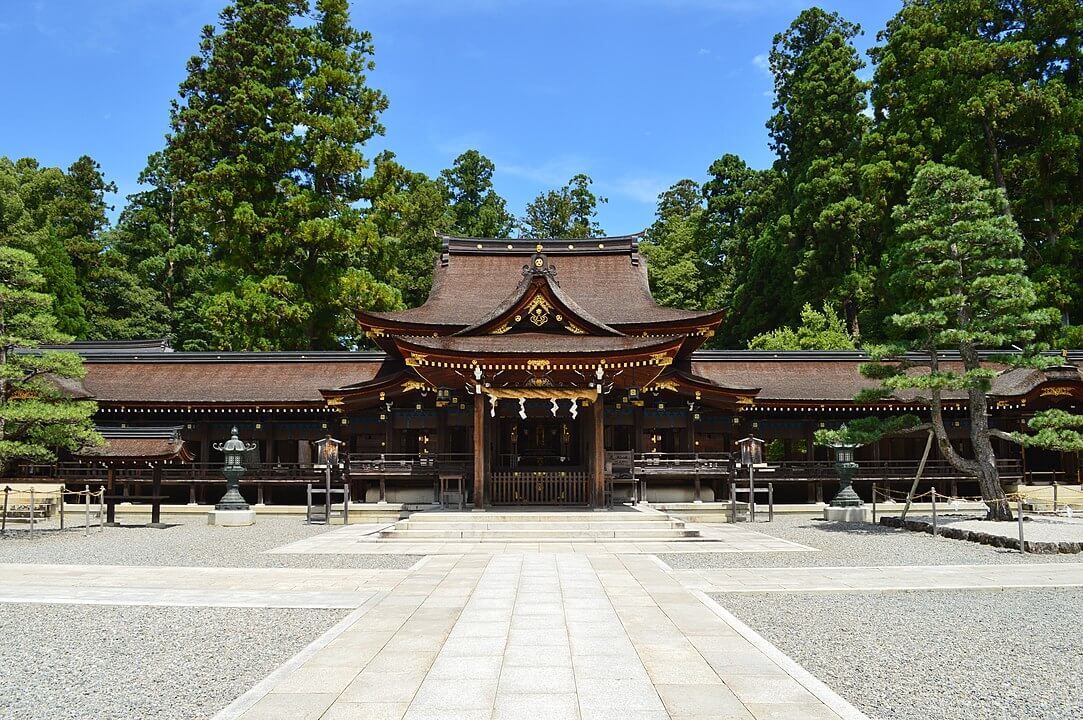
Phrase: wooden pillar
{"type": "Point", "coordinates": [156, 491]}
{"type": "Point", "coordinates": [479, 451]}
{"type": "Point", "coordinates": [598, 411]}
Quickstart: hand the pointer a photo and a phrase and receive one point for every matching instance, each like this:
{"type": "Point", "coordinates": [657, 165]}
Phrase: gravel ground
{"type": "Point", "coordinates": [988, 655]}
{"type": "Point", "coordinates": [857, 545]}
{"type": "Point", "coordinates": [88, 662]}
{"type": "Point", "coordinates": [190, 542]}
{"type": "Point", "coordinates": [1035, 529]}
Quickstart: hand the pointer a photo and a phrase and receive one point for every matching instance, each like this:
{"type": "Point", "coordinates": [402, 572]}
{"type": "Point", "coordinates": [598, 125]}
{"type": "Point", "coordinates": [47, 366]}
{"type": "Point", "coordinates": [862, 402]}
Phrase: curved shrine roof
{"type": "Point", "coordinates": [607, 277]}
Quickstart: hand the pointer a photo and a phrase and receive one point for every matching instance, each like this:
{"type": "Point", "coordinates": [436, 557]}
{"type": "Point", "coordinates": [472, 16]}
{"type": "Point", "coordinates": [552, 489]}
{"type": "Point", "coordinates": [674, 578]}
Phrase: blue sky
{"type": "Point", "coordinates": [636, 93]}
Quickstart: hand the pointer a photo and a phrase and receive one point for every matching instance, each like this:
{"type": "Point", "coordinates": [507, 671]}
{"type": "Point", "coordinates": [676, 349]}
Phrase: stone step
{"type": "Point", "coordinates": [526, 535]}
{"type": "Point", "coordinates": [535, 516]}
{"type": "Point", "coordinates": [531, 525]}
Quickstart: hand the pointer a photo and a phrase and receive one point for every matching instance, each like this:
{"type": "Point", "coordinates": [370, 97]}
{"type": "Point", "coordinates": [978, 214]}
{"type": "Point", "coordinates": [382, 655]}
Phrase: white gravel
{"type": "Point", "coordinates": [168, 663]}
{"type": "Point", "coordinates": [1035, 529]}
{"type": "Point", "coordinates": [857, 545]}
{"type": "Point", "coordinates": [988, 655]}
{"type": "Point", "coordinates": [189, 542]}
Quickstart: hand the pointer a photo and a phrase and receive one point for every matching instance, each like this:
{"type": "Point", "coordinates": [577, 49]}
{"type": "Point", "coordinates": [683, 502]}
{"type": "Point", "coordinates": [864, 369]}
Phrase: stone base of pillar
{"type": "Point", "coordinates": [847, 514]}
{"type": "Point", "coordinates": [231, 518]}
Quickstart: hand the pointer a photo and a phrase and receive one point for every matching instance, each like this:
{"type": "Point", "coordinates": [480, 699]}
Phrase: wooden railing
{"type": "Point", "coordinates": [539, 487]}
{"type": "Point", "coordinates": [683, 463]}
{"type": "Point", "coordinates": [429, 466]}
{"type": "Point", "coordinates": [408, 464]}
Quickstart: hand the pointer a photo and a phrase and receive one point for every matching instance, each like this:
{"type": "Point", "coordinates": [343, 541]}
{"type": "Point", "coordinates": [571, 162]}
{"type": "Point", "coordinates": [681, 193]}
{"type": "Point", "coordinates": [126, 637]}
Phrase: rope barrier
{"type": "Point", "coordinates": [38, 497]}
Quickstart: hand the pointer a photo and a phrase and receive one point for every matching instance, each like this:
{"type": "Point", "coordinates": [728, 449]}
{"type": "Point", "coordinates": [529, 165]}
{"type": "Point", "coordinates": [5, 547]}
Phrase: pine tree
{"type": "Point", "coordinates": [37, 416]}
{"type": "Point", "coordinates": [965, 283]}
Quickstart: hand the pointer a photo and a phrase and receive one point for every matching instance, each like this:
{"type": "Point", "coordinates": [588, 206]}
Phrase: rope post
{"type": "Point", "coordinates": [1019, 516]}
{"type": "Point", "coordinates": [61, 493]}
{"type": "Point", "coordinates": [31, 512]}
{"type": "Point", "coordinates": [733, 503]}
{"type": "Point", "coordinates": [874, 503]}
{"type": "Point", "coordinates": [770, 502]}
{"type": "Point", "coordinates": [101, 508]}
{"type": "Point", "coordinates": [1054, 497]}
{"type": "Point", "coordinates": [4, 520]}
{"type": "Point", "coordinates": [86, 506]}
{"type": "Point", "coordinates": [934, 511]}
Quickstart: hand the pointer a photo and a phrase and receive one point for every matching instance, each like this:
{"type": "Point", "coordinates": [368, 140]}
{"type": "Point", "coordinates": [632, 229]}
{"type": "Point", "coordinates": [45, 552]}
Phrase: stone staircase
{"type": "Point", "coordinates": [540, 526]}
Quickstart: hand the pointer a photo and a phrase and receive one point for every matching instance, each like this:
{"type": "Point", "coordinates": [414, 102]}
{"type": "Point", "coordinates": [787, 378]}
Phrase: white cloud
{"type": "Point", "coordinates": [762, 63]}
{"type": "Point", "coordinates": [644, 189]}
{"type": "Point", "coordinates": [552, 173]}
{"type": "Point", "coordinates": [703, 51]}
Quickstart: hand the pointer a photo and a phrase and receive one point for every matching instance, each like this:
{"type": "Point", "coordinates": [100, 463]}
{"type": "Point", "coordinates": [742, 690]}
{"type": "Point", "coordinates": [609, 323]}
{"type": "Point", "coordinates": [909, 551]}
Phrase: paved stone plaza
{"type": "Point", "coordinates": [491, 628]}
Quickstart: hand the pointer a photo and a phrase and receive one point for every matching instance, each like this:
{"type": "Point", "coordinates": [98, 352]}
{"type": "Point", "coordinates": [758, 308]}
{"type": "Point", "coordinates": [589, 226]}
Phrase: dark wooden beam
{"type": "Point", "coordinates": [479, 451]}
{"type": "Point", "coordinates": [598, 411]}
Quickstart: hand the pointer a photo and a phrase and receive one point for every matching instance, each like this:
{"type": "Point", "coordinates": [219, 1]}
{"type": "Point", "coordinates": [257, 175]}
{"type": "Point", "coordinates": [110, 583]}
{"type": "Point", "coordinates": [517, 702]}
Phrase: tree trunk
{"type": "Point", "coordinates": [984, 467]}
{"type": "Point", "coordinates": [988, 477]}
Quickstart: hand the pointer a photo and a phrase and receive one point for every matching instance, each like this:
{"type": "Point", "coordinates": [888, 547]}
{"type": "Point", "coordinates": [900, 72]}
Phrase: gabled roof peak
{"type": "Point", "coordinates": [617, 244]}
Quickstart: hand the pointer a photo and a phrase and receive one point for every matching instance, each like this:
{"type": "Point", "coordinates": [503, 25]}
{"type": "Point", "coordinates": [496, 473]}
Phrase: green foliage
{"type": "Point", "coordinates": [37, 417]}
{"type": "Point", "coordinates": [265, 158]}
{"type": "Point", "coordinates": [991, 86]}
{"type": "Point", "coordinates": [867, 430]}
{"type": "Point", "coordinates": [475, 208]}
{"type": "Point", "coordinates": [569, 212]}
{"type": "Point", "coordinates": [817, 331]}
{"type": "Point", "coordinates": [817, 130]}
{"type": "Point", "coordinates": [959, 268]}
{"type": "Point", "coordinates": [678, 264]}
{"type": "Point", "coordinates": [1054, 430]}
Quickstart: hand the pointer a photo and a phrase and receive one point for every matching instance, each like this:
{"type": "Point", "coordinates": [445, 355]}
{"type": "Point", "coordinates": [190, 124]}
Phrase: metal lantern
{"type": "Point", "coordinates": [846, 467]}
{"type": "Point", "coordinates": [233, 451]}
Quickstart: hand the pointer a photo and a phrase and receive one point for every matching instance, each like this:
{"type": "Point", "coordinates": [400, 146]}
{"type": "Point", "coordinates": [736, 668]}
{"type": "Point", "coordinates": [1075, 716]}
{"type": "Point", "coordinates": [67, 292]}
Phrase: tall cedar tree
{"type": "Point", "coordinates": [817, 131]}
{"type": "Point", "coordinates": [959, 260]}
{"type": "Point", "coordinates": [570, 212]}
{"type": "Point", "coordinates": [476, 209]}
{"type": "Point", "coordinates": [38, 414]}
{"type": "Point", "coordinates": [266, 152]}
{"type": "Point", "coordinates": [995, 87]}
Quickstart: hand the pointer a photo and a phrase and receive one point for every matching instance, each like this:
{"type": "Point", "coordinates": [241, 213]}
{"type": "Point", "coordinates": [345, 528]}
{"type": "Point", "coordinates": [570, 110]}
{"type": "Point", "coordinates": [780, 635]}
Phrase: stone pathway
{"type": "Point", "coordinates": [193, 586]}
{"type": "Point", "coordinates": [363, 540]}
{"type": "Point", "coordinates": [881, 579]}
{"type": "Point", "coordinates": [542, 635]}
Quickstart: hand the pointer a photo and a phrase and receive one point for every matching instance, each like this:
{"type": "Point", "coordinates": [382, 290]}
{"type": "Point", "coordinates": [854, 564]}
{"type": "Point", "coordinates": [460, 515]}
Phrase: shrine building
{"type": "Point", "coordinates": [538, 372]}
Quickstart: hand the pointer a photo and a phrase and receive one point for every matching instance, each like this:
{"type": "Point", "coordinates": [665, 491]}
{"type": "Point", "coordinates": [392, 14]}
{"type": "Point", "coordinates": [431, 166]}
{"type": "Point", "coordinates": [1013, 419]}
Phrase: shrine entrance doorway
{"type": "Point", "coordinates": [539, 459]}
